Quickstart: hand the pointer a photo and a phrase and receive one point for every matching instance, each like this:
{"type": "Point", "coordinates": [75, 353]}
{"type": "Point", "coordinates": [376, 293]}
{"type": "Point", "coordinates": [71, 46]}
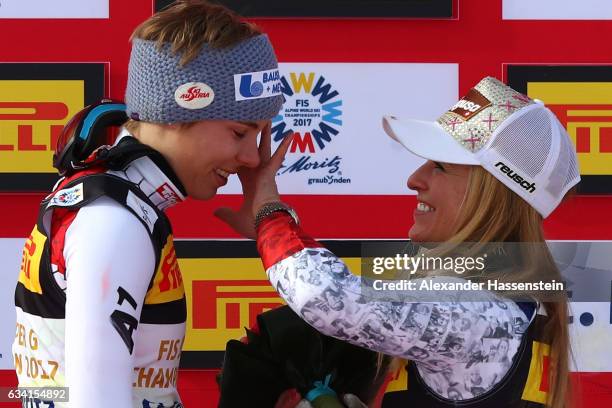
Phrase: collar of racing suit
{"type": "Point", "coordinates": [153, 175]}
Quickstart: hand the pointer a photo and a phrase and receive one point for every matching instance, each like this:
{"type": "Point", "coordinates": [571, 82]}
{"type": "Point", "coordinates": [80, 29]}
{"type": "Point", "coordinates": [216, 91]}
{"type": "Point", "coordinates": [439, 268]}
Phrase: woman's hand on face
{"type": "Point", "coordinates": [258, 185]}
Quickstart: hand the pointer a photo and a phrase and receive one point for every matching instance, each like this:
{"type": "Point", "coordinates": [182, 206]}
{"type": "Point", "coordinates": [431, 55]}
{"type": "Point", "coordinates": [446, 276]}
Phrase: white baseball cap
{"type": "Point", "coordinates": [516, 139]}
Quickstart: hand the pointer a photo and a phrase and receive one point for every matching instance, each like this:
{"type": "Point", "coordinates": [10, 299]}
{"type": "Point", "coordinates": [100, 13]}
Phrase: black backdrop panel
{"type": "Point", "coordinates": [337, 8]}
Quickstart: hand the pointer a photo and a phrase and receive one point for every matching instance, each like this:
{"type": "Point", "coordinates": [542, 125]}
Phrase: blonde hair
{"type": "Point", "coordinates": [189, 24]}
{"type": "Point", "coordinates": [493, 213]}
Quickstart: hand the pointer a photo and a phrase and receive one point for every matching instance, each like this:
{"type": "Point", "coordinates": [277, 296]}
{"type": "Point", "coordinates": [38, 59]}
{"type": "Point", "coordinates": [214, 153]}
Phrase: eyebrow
{"type": "Point", "coordinates": [252, 125]}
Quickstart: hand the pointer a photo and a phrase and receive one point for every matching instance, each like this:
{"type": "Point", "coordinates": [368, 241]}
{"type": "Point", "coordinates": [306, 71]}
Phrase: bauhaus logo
{"type": "Point", "coordinates": [530, 187]}
{"type": "Point", "coordinates": [256, 85]}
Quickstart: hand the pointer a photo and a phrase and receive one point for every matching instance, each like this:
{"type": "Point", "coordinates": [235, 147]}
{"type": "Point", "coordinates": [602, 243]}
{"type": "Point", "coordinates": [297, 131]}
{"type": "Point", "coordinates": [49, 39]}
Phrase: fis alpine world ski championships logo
{"type": "Point", "coordinates": [313, 113]}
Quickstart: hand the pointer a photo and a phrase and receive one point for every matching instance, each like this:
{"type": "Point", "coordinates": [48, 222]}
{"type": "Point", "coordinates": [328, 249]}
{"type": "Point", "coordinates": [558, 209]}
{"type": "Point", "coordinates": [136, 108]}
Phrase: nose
{"type": "Point", "coordinates": [418, 180]}
{"type": "Point", "coordinates": [248, 155]}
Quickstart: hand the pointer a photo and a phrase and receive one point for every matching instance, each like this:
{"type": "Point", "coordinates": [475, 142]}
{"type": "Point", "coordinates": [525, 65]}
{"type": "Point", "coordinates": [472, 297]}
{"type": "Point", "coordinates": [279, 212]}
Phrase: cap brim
{"type": "Point", "coordinates": [427, 140]}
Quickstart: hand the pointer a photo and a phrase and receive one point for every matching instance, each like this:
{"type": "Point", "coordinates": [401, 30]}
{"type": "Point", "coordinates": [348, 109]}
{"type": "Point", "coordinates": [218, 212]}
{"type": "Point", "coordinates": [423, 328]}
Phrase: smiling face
{"type": "Point", "coordinates": [440, 188]}
{"type": "Point", "coordinates": [204, 154]}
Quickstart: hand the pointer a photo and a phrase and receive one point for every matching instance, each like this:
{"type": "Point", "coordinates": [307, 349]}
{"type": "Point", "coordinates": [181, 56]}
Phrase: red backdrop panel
{"type": "Point", "coordinates": [479, 41]}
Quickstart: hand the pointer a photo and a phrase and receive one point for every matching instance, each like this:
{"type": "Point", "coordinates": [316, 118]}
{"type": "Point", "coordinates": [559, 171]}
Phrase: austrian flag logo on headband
{"type": "Point", "coordinates": [194, 95]}
{"type": "Point", "coordinates": [255, 85]}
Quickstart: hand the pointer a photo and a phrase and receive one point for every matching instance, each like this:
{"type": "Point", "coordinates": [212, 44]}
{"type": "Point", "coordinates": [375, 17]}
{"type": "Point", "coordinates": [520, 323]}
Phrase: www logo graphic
{"type": "Point", "coordinates": [312, 111]}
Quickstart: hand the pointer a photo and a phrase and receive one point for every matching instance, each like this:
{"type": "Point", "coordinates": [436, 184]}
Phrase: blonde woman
{"type": "Point", "coordinates": [497, 164]}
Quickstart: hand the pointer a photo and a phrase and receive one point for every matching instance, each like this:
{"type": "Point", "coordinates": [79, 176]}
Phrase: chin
{"type": "Point", "coordinates": [416, 235]}
{"type": "Point", "coordinates": [421, 237]}
{"type": "Point", "coordinates": [203, 194]}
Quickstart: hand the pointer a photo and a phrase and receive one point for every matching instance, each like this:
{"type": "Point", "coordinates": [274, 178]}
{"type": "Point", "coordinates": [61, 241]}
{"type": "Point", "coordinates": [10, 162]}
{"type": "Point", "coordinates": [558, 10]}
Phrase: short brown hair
{"type": "Point", "coordinates": [189, 24]}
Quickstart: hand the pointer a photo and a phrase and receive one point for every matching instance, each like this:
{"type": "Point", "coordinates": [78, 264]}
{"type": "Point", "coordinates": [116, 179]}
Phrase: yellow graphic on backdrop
{"type": "Point", "coordinates": [224, 296]}
{"type": "Point", "coordinates": [32, 115]}
{"type": "Point", "coordinates": [585, 109]}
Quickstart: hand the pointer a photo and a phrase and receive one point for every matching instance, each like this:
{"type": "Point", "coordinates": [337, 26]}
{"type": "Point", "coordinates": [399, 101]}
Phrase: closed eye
{"type": "Point", "coordinates": [239, 134]}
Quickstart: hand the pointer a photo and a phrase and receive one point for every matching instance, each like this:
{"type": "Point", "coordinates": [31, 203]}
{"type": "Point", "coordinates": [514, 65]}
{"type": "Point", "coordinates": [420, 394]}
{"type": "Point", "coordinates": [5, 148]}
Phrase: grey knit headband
{"type": "Point", "coordinates": [237, 83]}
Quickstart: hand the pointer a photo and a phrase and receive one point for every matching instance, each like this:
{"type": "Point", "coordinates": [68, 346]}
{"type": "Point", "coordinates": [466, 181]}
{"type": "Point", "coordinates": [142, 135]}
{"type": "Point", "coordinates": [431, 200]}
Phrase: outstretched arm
{"type": "Point", "coordinates": [321, 289]}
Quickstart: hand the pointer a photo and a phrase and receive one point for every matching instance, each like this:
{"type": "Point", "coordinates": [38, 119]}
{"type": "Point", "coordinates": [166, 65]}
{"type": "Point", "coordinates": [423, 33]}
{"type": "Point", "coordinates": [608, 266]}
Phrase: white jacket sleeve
{"type": "Point", "coordinates": [109, 263]}
{"type": "Point", "coordinates": [440, 331]}
{"type": "Point", "coordinates": [319, 287]}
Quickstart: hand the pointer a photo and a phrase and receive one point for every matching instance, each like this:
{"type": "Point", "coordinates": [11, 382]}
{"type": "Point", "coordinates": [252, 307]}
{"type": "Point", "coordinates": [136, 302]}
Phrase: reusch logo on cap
{"type": "Point", "coordinates": [530, 187]}
{"type": "Point", "coordinates": [470, 105]}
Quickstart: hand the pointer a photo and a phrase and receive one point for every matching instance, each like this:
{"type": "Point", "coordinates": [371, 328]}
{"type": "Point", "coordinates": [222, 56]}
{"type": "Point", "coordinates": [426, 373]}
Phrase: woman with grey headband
{"type": "Point", "coordinates": [497, 163]}
{"type": "Point", "coordinates": [100, 301]}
